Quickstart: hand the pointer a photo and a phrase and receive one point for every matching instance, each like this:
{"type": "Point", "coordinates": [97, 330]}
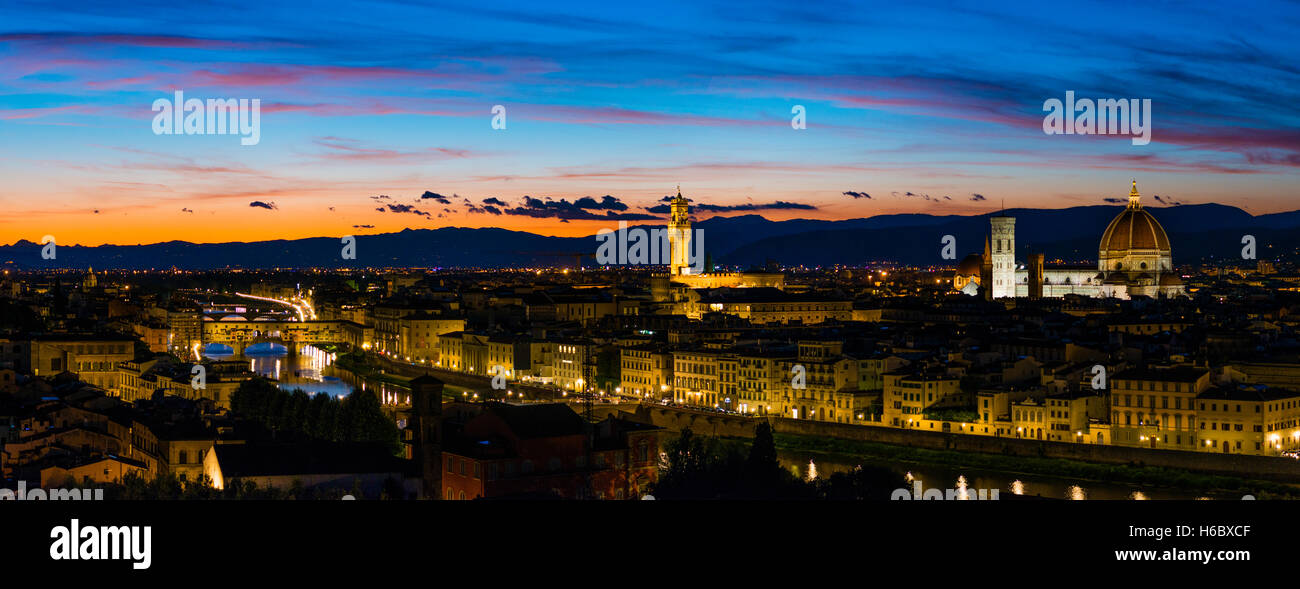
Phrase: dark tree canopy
{"type": "Point", "coordinates": [358, 417]}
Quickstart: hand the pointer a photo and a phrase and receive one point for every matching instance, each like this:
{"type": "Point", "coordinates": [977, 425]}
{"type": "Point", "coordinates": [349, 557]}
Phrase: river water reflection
{"type": "Point", "coordinates": [938, 476]}
{"type": "Point", "coordinates": [311, 369]}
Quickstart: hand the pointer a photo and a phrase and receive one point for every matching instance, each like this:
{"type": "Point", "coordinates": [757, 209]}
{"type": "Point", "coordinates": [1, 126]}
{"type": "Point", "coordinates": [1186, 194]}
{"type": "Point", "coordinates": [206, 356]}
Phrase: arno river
{"type": "Point", "coordinates": [942, 476]}
{"type": "Point", "coordinates": [313, 371]}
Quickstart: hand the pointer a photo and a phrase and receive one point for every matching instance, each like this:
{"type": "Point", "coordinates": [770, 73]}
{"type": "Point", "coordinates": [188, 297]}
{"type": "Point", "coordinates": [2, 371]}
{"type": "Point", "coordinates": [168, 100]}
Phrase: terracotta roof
{"type": "Point", "coordinates": [970, 265]}
{"type": "Point", "coordinates": [1134, 229]}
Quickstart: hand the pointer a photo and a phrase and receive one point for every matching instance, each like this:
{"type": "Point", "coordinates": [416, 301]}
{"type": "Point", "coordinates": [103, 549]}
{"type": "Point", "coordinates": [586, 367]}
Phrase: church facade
{"type": "Point", "coordinates": [1134, 258]}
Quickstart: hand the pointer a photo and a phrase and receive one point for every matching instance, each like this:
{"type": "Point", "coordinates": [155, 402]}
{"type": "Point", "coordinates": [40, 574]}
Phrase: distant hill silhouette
{"type": "Point", "coordinates": [1196, 231]}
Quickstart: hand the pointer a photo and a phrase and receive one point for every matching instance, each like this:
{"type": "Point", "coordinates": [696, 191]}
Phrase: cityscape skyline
{"type": "Point", "coordinates": [390, 124]}
{"type": "Point", "coordinates": [279, 278]}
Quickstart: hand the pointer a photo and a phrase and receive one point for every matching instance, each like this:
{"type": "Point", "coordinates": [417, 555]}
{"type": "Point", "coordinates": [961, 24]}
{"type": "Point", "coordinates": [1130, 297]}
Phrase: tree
{"type": "Point", "coordinates": [368, 422]}
{"type": "Point", "coordinates": [707, 468]}
{"type": "Point", "coordinates": [357, 418]}
{"type": "Point", "coordinates": [762, 454]}
{"type": "Point", "coordinates": [869, 483]}
{"type": "Point", "coordinates": [763, 473]}
{"type": "Point", "coordinates": [252, 399]}
{"type": "Point", "coordinates": [274, 417]}
{"type": "Point", "coordinates": [313, 414]}
{"type": "Point", "coordinates": [328, 421]}
{"type": "Point", "coordinates": [294, 416]}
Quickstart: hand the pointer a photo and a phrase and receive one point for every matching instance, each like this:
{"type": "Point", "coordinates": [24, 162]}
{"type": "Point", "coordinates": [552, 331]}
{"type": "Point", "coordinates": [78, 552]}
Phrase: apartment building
{"type": "Point", "coordinates": [1156, 407]}
{"type": "Point", "coordinates": [645, 372]}
{"type": "Point", "coordinates": [1248, 419]}
{"type": "Point", "coordinates": [907, 394]}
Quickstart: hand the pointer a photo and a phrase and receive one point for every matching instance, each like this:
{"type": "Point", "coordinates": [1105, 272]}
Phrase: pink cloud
{"type": "Point", "coordinates": [32, 113]}
{"type": "Point", "coordinates": [348, 150]}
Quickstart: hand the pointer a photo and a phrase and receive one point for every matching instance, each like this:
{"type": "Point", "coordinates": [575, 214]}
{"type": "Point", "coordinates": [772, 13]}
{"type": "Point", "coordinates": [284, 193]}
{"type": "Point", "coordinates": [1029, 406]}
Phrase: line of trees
{"type": "Point", "coordinates": [357, 417]}
{"type": "Point", "coordinates": [710, 468]}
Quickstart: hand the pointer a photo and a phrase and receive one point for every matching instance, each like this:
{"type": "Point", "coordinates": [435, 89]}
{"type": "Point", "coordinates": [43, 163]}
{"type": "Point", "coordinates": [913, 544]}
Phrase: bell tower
{"type": "Point", "coordinates": [679, 235]}
{"type": "Point", "coordinates": [1004, 256]}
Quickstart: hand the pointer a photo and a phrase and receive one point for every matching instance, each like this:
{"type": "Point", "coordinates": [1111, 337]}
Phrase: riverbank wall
{"type": "Point", "coordinates": [717, 424]}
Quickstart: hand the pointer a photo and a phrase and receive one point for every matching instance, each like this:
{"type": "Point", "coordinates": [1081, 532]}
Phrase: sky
{"type": "Point", "coordinates": [379, 116]}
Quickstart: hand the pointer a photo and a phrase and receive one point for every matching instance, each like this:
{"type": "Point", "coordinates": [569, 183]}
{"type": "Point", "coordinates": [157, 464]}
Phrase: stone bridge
{"type": "Point", "coordinates": [290, 334]}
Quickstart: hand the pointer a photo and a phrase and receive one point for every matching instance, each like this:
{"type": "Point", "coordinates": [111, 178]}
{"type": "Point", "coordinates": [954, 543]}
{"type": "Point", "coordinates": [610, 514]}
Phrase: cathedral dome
{"type": "Point", "coordinates": [1134, 229]}
{"type": "Point", "coordinates": [970, 265]}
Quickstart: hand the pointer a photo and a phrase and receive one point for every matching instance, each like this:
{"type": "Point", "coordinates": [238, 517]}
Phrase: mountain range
{"type": "Point", "coordinates": [1197, 233]}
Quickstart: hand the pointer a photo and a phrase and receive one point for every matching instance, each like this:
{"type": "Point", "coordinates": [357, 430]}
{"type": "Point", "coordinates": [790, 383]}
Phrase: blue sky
{"type": "Point", "coordinates": [912, 107]}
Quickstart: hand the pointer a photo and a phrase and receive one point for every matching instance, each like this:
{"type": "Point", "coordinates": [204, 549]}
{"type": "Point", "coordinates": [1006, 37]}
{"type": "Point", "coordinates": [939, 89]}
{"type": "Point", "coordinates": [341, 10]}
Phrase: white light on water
{"type": "Point", "coordinates": [812, 471]}
{"type": "Point", "coordinates": [1017, 487]}
{"type": "Point", "coordinates": [1138, 496]}
{"type": "Point", "coordinates": [1077, 493]}
{"type": "Point", "coordinates": [962, 493]}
